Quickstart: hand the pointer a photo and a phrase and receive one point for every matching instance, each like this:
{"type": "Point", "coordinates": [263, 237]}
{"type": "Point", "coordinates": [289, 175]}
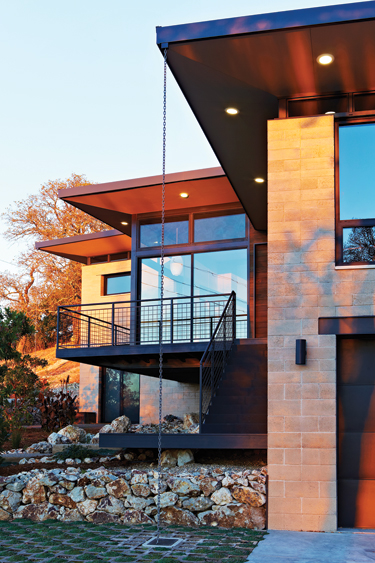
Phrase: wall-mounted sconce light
{"type": "Point", "coordinates": [300, 351]}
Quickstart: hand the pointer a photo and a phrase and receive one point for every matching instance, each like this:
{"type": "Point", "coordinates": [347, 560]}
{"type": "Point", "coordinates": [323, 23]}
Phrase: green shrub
{"type": "Point", "coordinates": [76, 451]}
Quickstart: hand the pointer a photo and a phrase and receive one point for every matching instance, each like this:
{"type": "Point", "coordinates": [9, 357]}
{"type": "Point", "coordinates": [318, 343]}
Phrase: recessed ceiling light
{"type": "Point", "coordinates": [184, 195]}
{"type": "Point", "coordinates": [325, 59]}
{"type": "Point", "coordinates": [259, 180]}
{"type": "Point", "coordinates": [124, 223]}
{"type": "Point", "coordinates": [231, 111]}
{"type": "Point", "coordinates": [330, 112]}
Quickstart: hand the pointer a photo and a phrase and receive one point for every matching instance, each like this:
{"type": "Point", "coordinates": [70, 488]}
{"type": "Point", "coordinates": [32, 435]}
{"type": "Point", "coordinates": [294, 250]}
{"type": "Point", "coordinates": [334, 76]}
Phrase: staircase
{"type": "Point", "coordinates": [239, 405]}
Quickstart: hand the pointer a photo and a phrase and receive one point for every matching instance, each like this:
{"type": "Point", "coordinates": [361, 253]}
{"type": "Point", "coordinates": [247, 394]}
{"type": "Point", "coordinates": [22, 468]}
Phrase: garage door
{"type": "Point", "coordinates": [356, 432]}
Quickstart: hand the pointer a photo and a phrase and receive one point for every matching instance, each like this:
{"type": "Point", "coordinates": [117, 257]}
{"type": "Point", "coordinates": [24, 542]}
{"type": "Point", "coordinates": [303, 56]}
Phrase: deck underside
{"type": "Point", "coordinates": [182, 441]}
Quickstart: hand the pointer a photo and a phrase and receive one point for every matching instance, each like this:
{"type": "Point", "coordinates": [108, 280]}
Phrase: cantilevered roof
{"type": "Point", "coordinates": [114, 203]}
{"type": "Point", "coordinates": [82, 247]}
{"type": "Point", "coordinates": [250, 63]}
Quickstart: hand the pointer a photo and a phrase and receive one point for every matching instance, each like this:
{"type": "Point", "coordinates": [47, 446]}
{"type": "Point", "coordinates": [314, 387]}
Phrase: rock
{"type": "Point", "coordinates": [235, 516]}
{"type": "Point", "coordinates": [111, 505]}
{"type": "Point", "coordinates": [87, 506]}
{"type": "Point", "coordinates": [139, 477]}
{"type": "Point", "coordinates": [169, 458]}
{"type": "Point", "coordinates": [222, 496]}
{"type": "Point", "coordinates": [136, 502]}
{"type": "Point", "coordinates": [95, 492]}
{"type": "Point", "coordinates": [62, 500]}
{"type": "Point", "coordinates": [106, 429]}
{"type": "Point", "coordinates": [184, 457]}
{"type": "Point", "coordinates": [132, 516]}
{"type": "Point", "coordinates": [22, 461]}
{"type": "Point", "coordinates": [70, 515]}
{"type": "Point", "coordinates": [121, 424]}
{"type": "Point", "coordinates": [100, 517]}
{"type": "Point", "coordinates": [193, 429]}
{"type": "Point", "coordinates": [10, 500]}
{"type": "Point", "coordinates": [74, 433]}
{"type": "Point", "coordinates": [227, 481]}
{"type": "Point", "coordinates": [171, 418]}
{"type": "Point", "coordinates": [48, 479]}
{"type": "Point", "coordinates": [118, 488]}
{"type": "Point", "coordinates": [58, 489]}
{"type": "Point", "coordinates": [167, 499]}
{"type": "Point", "coordinates": [95, 439]}
{"type": "Point", "coordinates": [208, 486]}
{"type": "Point", "coordinates": [69, 485]}
{"type": "Point", "coordinates": [77, 494]}
{"type": "Point", "coordinates": [34, 492]}
{"type": "Point", "coordinates": [129, 456]}
{"type": "Point", "coordinates": [153, 483]}
{"type": "Point", "coordinates": [184, 487]}
{"type": "Point", "coordinates": [40, 448]}
{"type": "Point", "coordinates": [69, 461]}
{"type": "Point", "coordinates": [198, 504]}
{"type": "Point", "coordinates": [17, 486]}
{"type": "Point", "coordinates": [4, 515]}
{"type": "Point", "coordinates": [57, 438]}
{"type": "Point", "coordinates": [260, 487]}
{"type": "Point", "coordinates": [142, 457]}
{"type": "Point", "coordinates": [141, 490]}
{"type": "Point", "coordinates": [83, 481]}
{"type": "Point", "coordinates": [37, 512]}
{"type": "Point", "coordinates": [190, 418]}
{"type": "Point", "coordinates": [247, 495]}
{"type": "Point", "coordinates": [177, 516]}
{"type": "Point", "coordinates": [88, 460]}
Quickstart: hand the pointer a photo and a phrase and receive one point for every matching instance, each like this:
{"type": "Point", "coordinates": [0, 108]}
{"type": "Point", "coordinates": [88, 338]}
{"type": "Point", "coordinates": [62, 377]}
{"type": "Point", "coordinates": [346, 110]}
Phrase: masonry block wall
{"type": "Point", "coordinates": [178, 399]}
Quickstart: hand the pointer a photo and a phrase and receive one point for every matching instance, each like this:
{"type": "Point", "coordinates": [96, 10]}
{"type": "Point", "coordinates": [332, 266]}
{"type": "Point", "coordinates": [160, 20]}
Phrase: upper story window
{"type": "Point", "coordinates": [117, 283]}
{"type": "Point", "coordinates": [221, 227]}
{"type": "Point", "coordinates": [324, 105]}
{"type": "Point", "coordinates": [355, 186]}
{"type": "Point", "coordinates": [175, 232]}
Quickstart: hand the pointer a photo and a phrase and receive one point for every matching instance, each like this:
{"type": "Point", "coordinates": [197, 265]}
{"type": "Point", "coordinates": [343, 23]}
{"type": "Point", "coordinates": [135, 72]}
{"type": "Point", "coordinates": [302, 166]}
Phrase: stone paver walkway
{"type": "Point", "coordinates": [77, 542]}
{"type": "Point", "coordinates": [347, 546]}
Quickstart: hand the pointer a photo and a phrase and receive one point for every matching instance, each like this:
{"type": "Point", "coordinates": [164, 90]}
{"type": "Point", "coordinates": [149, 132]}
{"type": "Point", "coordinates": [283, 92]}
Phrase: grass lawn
{"type": "Point", "coordinates": [57, 542]}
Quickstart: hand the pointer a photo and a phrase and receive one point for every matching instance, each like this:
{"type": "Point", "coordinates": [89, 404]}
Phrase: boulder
{"type": "Point", "coordinates": [169, 458]}
{"type": "Point", "coordinates": [56, 438]}
{"type": "Point", "coordinates": [132, 516]}
{"type": "Point", "coordinates": [106, 429]}
{"type": "Point", "coordinates": [177, 516]}
{"type": "Point", "coordinates": [141, 490]}
{"type": "Point", "coordinates": [247, 495]}
{"type": "Point", "coordinates": [87, 506]}
{"type": "Point", "coordinates": [153, 483]}
{"type": "Point", "coordinates": [40, 448]}
{"type": "Point", "coordinates": [95, 439]}
{"type": "Point", "coordinates": [137, 502]}
{"type": "Point", "coordinates": [69, 485]}
{"type": "Point", "coordinates": [184, 487]}
{"type": "Point", "coordinates": [101, 517]}
{"type": "Point", "coordinates": [34, 492]}
{"type": "Point", "coordinates": [48, 479]}
{"type": "Point", "coordinates": [260, 487]}
{"type": "Point", "coordinates": [10, 500]}
{"type": "Point", "coordinates": [184, 457]}
{"type": "Point", "coordinates": [74, 433]}
{"type": "Point", "coordinates": [235, 516]}
{"type": "Point", "coordinates": [16, 486]}
{"type": "Point", "coordinates": [62, 500]}
{"type": "Point", "coordinates": [208, 486]}
{"type": "Point", "coordinates": [139, 477]}
{"type": "Point", "coordinates": [118, 488]}
{"type": "Point", "coordinates": [4, 515]}
{"type": "Point", "coordinates": [95, 492]}
{"type": "Point", "coordinates": [68, 515]}
{"type": "Point", "coordinates": [222, 496]}
{"type": "Point", "coordinates": [37, 512]}
{"type": "Point", "coordinates": [111, 505]}
{"type": "Point", "coordinates": [121, 424]}
{"type": "Point", "coordinates": [77, 494]}
{"type": "Point", "coordinates": [197, 504]}
{"type": "Point", "coordinates": [190, 419]}
{"type": "Point", "coordinates": [167, 499]}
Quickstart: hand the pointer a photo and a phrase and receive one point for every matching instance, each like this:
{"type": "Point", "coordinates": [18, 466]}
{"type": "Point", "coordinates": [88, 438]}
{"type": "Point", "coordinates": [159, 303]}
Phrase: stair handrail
{"type": "Point", "coordinates": [210, 350]}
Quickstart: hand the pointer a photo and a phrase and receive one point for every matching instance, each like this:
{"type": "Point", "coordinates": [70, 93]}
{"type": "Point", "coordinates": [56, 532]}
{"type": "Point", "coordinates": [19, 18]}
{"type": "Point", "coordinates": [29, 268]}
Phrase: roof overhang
{"type": "Point", "coordinates": [114, 203]}
{"type": "Point", "coordinates": [250, 63]}
{"type": "Point", "coordinates": [82, 247]}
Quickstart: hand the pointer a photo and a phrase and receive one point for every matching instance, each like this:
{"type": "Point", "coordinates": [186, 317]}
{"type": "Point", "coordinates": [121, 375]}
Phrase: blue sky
{"type": "Point", "coordinates": [82, 91]}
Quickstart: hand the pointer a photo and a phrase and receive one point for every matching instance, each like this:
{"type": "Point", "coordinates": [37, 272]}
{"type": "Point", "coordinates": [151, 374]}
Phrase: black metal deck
{"type": "Point", "coordinates": [182, 441]}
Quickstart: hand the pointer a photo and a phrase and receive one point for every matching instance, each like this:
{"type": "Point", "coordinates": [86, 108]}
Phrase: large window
{"type": "Point", "coordinates": [356, 193]}
{"type": "Point", "coordinates": [175, 232]}
{"type": "Point", "coordinates": [221, 227]}
{"type": "Point", "coordinates": [120, 391]}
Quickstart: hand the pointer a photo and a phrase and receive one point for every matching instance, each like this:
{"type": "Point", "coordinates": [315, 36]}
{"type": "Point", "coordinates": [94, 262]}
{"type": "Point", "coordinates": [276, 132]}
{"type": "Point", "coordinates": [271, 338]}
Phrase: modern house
{"type": "Point", "coordinates": [287, 102]}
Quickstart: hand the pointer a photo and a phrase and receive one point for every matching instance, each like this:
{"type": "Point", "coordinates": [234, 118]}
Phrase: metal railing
{"type": "Point", "coordinates": [215, 357]}
{"type": "Point", "coordinates": [185, 319]}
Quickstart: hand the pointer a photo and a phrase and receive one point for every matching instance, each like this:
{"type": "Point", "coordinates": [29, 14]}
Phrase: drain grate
{"type": "Point", "coordinates": [162, 542]}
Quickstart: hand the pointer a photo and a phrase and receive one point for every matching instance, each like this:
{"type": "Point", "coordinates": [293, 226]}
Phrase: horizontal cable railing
{"type": "Point", "coordinates": [185, 319]}
{"type": "Point", "coordinates": [215, 357]}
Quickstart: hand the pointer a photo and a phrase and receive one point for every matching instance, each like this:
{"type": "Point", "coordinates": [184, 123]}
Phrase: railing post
{"type": "Point", "coordinates": [58, 329]}
{"type": "Point", "coordinates": [171, 317]}
{"type": "Point", "coordinates": [200, 396]}
{"type": "Point", "coordinates": [113, 325]}
{"type": "Point", "coordinates": [88, 332]}
{"type": "Point", "coordinates": [212, 369]}
{"type": "Point", "coordinates": [224, 341]}
{"type": "Point", "coordinates": [234, 319]}
{"type": "Point", "coordinates": [191, 318]}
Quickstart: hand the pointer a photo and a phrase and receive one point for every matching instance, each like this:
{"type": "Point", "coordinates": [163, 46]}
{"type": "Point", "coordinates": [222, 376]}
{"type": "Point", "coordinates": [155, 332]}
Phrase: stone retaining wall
{"type": "Point", "coordinates": [216, 498]}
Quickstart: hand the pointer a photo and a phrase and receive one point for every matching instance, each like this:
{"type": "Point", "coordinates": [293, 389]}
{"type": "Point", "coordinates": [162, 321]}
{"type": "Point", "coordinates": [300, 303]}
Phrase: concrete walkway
{"type": "Point", "coordinates": [346, 546]}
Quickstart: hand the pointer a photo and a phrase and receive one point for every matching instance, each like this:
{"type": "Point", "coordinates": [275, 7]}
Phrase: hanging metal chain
{"type": "Point", "coordinates": [162, 293]}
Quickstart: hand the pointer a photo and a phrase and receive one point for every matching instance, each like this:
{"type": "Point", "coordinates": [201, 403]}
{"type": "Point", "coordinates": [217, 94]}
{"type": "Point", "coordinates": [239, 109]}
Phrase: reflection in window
{"type": "Point", "coordinates": [120, 395]}
{"type": "Point", "coordinates": [317, 106]}
{"type": "Point", "coordinates": [177, 277]}
{"type": "Point", "coordinates": [118, 283]}
{"type": "Point", "coordinates": [359, 244]}
{"type": "Point", "coordinates": [175, 232]}
{"type": "Point", "coordinates": [357, 171]}
{"type": "Point", "coordinates": [219, 228]}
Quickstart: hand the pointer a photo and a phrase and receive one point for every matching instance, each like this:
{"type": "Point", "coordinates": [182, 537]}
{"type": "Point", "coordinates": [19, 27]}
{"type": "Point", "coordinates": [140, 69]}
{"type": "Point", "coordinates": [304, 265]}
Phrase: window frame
{"type": "Point", "coordinates": [341, 224]}
{"type": "Point", "coordinates": [117, 275]}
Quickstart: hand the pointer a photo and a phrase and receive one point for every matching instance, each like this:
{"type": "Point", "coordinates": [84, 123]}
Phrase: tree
{"type": "Point", "coordinates": [19, 384]}
{"type": "Point", "coordinates": [360, 245]}
{"type": "Point", "coordinates": [44, 281]}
